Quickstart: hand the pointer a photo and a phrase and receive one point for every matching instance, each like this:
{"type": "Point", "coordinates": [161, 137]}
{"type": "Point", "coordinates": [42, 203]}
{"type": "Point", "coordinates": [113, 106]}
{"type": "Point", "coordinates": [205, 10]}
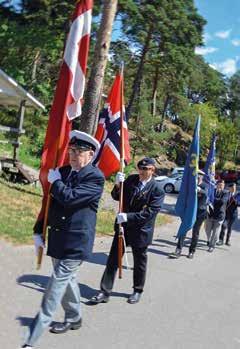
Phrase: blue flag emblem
{"type": "Point", "coordinates": [186, 206]}
{"type": "Point", "coordinates": [209, 170]}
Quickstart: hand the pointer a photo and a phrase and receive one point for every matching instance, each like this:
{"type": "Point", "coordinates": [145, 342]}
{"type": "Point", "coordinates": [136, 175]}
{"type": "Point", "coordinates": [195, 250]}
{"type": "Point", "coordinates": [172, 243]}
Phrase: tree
{"type": "Point", "coordinates": [94, 87]}
{"type": "Point", "coordinates": [226, 142]}
{"type": "Point", "coordinates": [156, 28]}
{"type": "Point", "coordinates": [234, 96]}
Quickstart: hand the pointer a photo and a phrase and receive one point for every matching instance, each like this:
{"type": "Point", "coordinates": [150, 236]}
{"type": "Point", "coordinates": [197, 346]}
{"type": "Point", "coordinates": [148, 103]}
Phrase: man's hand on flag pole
{"type": "Point", "coordinates": [38, 242]}
{"type": "Point", "coordinates": [120, 177]}
{"type": "Point", "coordinates": [121, 217]}
{"type": "Point", "coordinates": [54, 175]}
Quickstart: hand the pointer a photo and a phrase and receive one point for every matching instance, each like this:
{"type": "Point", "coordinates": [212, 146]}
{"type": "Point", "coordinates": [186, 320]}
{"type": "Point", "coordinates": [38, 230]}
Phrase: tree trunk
{"type": "Point", "coordinates": [154, 92]}
{"type": "Point", "coordinates": [139, 74]}
{"type": "Point", "coordinates": [94, 86]}
{"type": "Point", "coordinates": [34, 69]}
{"type": "Point", "coordinates": [167, 100]}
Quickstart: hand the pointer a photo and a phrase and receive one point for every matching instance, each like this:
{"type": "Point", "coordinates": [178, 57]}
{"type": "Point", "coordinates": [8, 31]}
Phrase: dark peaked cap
{"type": "Point", "coordinates": [146, 162]}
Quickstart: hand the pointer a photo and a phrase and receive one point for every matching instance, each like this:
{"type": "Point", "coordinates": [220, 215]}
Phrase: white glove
{"type": "Point", "coordinates": [121, 217]}
{"type": "Point", "coordinates": [38, 242]}
{"type": "Point", "coordinates": [120, 177]}
{"type": "Point", "coordinates": [198, 189]}
{"type": "Point", "coordinates": [53, 175]}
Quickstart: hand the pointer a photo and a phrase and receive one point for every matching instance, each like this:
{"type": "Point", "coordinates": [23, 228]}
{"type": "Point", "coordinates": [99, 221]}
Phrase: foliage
{"type": "Point", "coordinates": [164, 78]}
{"type": "Point", "coordinates": [227, 142]}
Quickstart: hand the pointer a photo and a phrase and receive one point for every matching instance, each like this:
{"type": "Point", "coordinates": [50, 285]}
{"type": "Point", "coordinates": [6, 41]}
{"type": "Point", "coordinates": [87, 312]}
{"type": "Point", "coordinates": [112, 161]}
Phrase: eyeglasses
{"type": "Point", "coordinates": [76, 151]}
{"type": "Point", "coordinates": [144, 168]}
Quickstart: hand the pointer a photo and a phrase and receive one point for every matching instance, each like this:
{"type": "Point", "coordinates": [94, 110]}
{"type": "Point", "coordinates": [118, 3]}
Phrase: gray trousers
{"type": "Point", "coordinates": [62, 288]}
{"type": "Point", "coordinates": [213, 227]}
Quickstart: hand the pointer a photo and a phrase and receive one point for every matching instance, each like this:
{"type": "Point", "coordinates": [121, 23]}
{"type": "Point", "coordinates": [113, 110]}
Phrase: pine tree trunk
{"type": "Point", "coordinates": [93, 92]}
{"type": "Point", "coordinates": [154, 92]}
{"type": "Point", "coordinates": [34, 69]}
{"type": "Point", "coordinates": [139, 74]}
{"type": "Point", "coordinates": [167, 100]}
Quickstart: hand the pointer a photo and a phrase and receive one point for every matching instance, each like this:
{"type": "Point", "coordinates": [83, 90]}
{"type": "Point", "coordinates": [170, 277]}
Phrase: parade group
{"type": "Point", "coordinates": [75, 193]}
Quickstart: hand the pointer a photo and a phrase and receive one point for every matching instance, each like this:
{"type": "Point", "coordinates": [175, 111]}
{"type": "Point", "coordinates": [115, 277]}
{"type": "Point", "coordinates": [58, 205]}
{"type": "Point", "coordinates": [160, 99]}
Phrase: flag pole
{"type": "Point", "coordinates": [44, 233]}
{"type": "Point", "coordinates": [121, 231]}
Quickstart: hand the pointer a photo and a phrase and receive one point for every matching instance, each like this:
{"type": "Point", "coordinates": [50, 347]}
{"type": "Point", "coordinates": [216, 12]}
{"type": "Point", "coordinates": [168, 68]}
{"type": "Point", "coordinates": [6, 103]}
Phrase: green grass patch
{"type": "Point", "coordinates": [105, 222]}
{"type": "Point", "coordinates": [19, 208]}
{"type": "Point", "coordinates": [20, 205]}
{"type": "Point", "coordinates": [163, 219]}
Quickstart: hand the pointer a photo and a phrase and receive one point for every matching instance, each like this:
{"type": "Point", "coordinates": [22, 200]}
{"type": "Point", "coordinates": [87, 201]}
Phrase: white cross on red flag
{"type": "Point", "coordinates": [68, 95]}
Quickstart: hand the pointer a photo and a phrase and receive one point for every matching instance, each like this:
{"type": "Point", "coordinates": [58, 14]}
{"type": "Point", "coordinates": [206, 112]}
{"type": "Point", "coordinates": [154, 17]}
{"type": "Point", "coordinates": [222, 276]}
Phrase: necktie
{"type": "Point", "coordinates": [71, 178]}
{"type": "Point", "coordinates": [136, 192]}
{"type": "Point", "coordinates": [138, 188]}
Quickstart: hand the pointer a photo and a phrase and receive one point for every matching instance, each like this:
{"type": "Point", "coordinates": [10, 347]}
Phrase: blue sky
{"type": "Point", "coordinates": [222, 34]}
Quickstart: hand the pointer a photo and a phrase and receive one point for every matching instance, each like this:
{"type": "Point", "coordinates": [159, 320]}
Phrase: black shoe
{"type": "Point", "coordinates": [210, 249]}
{"type": "Point", "coordinates": [227, 243]}
{"type": "Point", "coordinates": [134, 298]}
{"type": "Point", "coordinates": [101, 297]}
{"type": "Point", "coordinates": [62, 327]}
{"type": "Point", "coordinates": [175, 254]}
{"type": "Point", "coordinates": [191, 255]}
{"type": "Point", "coordinates": [219, 243]}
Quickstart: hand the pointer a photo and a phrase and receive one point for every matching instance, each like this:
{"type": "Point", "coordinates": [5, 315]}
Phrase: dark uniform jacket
{"type": "Point", "coordinates": [232, 205]}
{"type": "Point", "coordinates": [218, 211]}
{"type": "Point", "coordinates": [141, 210]}
{"type": "Point", "coordinates": [202, 200]}
{"type": "Point", "coordinates": [72, 213]}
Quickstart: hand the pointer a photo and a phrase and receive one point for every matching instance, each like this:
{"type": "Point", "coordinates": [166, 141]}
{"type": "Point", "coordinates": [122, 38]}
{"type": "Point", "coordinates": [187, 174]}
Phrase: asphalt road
{"type": "Point", "coordinates": [187, 304]}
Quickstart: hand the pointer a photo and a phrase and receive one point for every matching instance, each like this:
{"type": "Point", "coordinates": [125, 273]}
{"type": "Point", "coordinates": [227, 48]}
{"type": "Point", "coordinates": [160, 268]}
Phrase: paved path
{"type": "Point", "coordinates": [187, 304]}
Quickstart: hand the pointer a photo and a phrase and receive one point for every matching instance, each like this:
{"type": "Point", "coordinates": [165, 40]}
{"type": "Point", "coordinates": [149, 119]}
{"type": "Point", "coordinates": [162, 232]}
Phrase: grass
{"type": "Point", "coordinates": [19, 208]}
{"type": "Point", "coordinates": [20, 205]}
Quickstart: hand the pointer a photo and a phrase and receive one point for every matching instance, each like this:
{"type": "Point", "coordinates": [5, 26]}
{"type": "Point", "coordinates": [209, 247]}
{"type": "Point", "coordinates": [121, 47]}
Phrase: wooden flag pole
{"type": "Point", "coordinates": [44, 233]}
{"type": "Point", "coordinates": [121, 232]}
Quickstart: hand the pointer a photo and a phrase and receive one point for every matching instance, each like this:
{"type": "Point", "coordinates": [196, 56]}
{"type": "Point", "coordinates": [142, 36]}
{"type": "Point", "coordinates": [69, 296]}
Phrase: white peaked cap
{"type": "Point", "coordinates": [85, 138]}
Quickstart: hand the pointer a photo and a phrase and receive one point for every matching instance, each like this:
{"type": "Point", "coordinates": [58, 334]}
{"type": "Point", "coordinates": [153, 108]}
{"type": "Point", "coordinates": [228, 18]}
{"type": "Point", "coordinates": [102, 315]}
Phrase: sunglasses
{"type": "Point", "coordinates": [144, 168]}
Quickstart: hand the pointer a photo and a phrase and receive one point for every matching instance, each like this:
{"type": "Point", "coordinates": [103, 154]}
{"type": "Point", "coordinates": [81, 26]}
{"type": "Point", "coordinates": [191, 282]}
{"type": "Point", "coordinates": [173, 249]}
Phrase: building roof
{"type": "Point", "coordinates": [12, 94]}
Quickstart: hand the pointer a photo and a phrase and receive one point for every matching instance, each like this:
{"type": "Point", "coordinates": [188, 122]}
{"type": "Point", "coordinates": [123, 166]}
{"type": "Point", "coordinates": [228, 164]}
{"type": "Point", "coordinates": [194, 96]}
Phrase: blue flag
{"type": "Point", "coordinates": [209, 170]}
{"type": "Point", "coordinates": [186, 206]}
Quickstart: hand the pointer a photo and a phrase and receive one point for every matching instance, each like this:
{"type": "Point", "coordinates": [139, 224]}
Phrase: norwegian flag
{"type": "Point", "coordinates": [68, 95]}
{"type": "Point", "coordinates": [108, 131]}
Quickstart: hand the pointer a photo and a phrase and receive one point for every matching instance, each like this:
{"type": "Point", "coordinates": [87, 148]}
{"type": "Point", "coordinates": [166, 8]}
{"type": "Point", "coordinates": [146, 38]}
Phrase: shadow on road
{"type": "Point", "coordinates": [168, 209]}
{"type": "Point", "coordinates": [98, 258]}
{"type": "Point", "coordinates": [33, 281]}
{"type": "Point", "coordinates": [24, 321]}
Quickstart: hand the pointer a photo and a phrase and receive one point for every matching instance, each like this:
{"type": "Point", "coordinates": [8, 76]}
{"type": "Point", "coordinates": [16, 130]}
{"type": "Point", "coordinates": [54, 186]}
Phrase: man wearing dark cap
{"type": "Point", "coordinates": [216, 214]}
{"type": "Point", "coordinates": [231, 214]}
{"type": "Point", "coordinates": [202, 192]}
{"type": "Point", "coordinates": [142, 200]}
{"type": "Point", "coordinates": [75, 190]}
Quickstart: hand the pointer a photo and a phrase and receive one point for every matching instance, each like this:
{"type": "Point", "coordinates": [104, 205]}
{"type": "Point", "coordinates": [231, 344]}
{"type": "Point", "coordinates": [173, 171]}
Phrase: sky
{"type": "Point", "coordinates": [221, 34]}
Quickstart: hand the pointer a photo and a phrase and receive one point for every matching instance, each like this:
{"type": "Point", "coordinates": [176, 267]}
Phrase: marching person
{"type": "Point", "coordinates": [231, 215]}
{"type": "Point", "coordinates": [142, 200]}
{"type": "Point", "coordinates": [76, 190]}
{"type": "Point", "coordinates": [202, 193]}
{"type": "Point", "coordinates": [216, 214]}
